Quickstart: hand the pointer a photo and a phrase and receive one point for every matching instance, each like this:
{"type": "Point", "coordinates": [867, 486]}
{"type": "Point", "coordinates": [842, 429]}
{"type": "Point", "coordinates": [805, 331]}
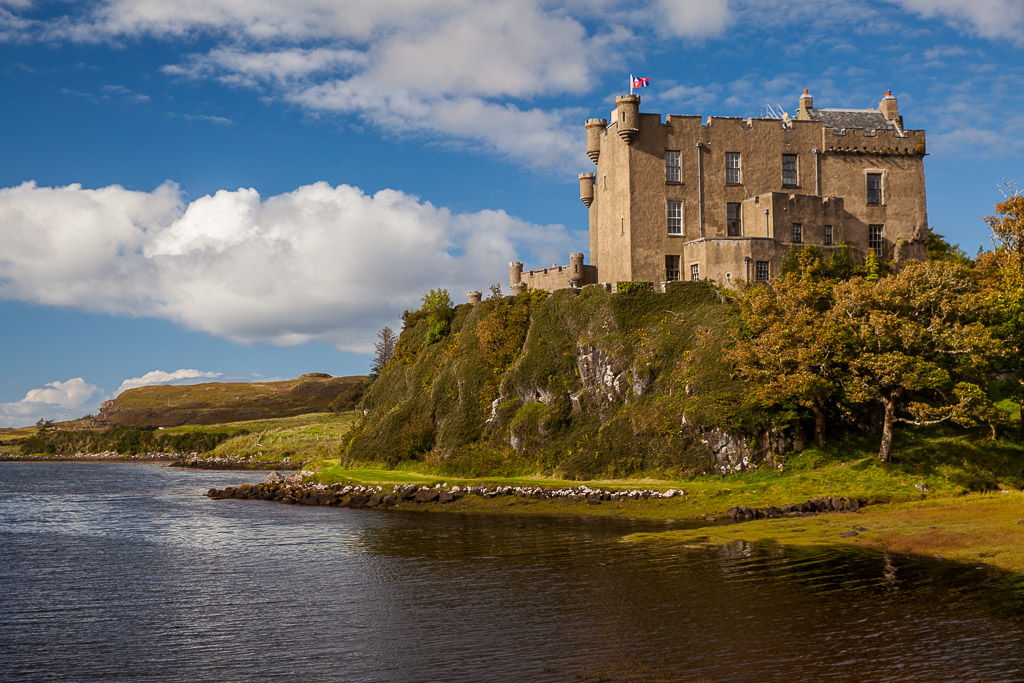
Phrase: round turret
{"type": "Point", "coordinates": [474, 296]}
{"type": "Point", "coordinates": [628, 113]}
{"type": "Point", "coordinates": [594, 129]}
{"type": "Point", "coordinates": [587, 188]}
{"type": "Point", "coordinates": [515, 273]}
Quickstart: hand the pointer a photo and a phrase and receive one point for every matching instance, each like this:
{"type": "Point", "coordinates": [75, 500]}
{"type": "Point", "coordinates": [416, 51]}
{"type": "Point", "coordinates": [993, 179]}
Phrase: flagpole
{"type": "Point", "coordinates": [630, 84]}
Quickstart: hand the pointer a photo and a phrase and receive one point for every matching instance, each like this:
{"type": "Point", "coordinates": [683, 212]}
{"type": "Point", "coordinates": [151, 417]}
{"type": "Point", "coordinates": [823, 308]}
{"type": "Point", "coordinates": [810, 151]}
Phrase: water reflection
{"type": "Point", "coordinates": [137, 575]}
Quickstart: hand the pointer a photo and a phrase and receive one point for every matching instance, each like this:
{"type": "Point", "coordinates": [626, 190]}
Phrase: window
{"type": "Point", "coordinates": [675, 218]}
{"type": "Point", "coordinates": [798, 233]}
{"type": "Point", "coordinates": [673, 171]}
{"type": "Point", "coordinates": [732, 219]}
{"type": "Point", "coordinates": [874, 188]}
{"type": "Point", "coordinates": [789, 170]}
{"type": "Point", "coordinates": [875, 240]}
{"type": "Point", "coordinates": [732, 168]}
{"type": "Point", "coordinates": [671, 268]}
{"type": "Point", "coordinates": [694, 272]}
{"type": "Point", "coordinates": [761, 271]}
{"type": "Point", "coordinates": [828, 235]}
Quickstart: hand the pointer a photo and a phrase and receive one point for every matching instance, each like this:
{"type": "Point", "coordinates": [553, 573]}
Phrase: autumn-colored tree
{"type": "Point", "coordinates": [1003, 275]}
{"type": "Point", "coordinates": [789, 348]}
{"type": "Point", "coordinates": [920, 348]}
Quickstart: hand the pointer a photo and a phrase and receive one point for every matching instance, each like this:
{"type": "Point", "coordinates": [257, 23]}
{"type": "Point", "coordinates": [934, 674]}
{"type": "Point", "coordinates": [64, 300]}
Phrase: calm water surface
{"type": "Point", "coordinates": [126, 571]}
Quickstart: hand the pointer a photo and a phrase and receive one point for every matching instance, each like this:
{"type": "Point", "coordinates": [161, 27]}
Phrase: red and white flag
{"type": "Point", "coordinates": [638, 82]}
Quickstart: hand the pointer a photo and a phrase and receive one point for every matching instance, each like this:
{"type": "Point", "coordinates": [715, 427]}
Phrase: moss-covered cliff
{"type": "Point", "coordinates": [581, 383]}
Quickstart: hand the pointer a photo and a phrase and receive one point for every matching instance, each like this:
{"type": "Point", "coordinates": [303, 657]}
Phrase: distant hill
{"type": "Point", "coordinates": [217, 402]}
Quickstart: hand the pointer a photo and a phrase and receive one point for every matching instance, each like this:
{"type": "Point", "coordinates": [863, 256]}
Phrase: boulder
{"type": "Point", "coordinates": [426, 495]}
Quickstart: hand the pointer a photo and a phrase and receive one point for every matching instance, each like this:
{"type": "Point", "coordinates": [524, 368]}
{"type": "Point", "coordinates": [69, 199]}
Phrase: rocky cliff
{"type": "Point", "coordinates": [580, 383]}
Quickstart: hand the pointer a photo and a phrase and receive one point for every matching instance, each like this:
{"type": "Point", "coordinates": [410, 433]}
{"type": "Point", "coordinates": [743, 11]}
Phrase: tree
{"type": "Point", "coordinates": [437, 306]}
{"type": "Point", "coordinates": [1003, 273]}
{"type": "Point", "coordinates": [384, 349]}
{"type": "Point", "coordinates": [789, 349]}
{"type": "Point", "coordinates": [941, 250]}
{"type": "Point", "coordinates": [920, 349]}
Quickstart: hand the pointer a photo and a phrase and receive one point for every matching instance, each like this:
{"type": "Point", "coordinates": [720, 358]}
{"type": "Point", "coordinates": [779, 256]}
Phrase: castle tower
{"type": "Point", "coordinates": [628, 117]}
{"type": "Point", "coordinates": [474, 297]}
{"type": "Point", "coordinates": [587, 188]}
{"type": "Point", "coordinates": [575, 269]}
{"type": "Point", "coordinates": [594, 129]}
{"type": "Point", "coordinates": [515, 275]}
{"type": "Point", "coordinates": [806, 104]}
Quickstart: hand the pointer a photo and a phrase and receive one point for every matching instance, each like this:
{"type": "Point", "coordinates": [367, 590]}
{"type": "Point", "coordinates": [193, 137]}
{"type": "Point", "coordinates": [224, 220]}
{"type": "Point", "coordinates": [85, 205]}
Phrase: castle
{"type": "Point", "coordinates": [728, 198]}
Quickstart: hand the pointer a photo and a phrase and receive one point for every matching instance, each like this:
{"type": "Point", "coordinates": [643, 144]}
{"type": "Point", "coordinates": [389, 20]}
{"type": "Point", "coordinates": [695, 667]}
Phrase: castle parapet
{"type": "Point", "coordinates": [861, 141]}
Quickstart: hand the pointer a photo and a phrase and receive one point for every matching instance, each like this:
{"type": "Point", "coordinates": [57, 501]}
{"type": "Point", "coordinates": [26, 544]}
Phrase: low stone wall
{"type": "Point", "coordinates": [288, 490]}
{"type": "Point", "coordinates": [812, 507]}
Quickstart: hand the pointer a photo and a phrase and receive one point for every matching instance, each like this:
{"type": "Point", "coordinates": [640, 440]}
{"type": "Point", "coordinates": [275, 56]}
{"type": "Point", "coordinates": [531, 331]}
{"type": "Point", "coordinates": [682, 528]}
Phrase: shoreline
{"type": "Point", "coordinates": [184, 461]}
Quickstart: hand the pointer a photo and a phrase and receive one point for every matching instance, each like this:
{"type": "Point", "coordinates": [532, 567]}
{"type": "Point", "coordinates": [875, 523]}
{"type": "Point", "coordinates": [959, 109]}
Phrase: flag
{"type": "Point", "coordinates": [640, 82]}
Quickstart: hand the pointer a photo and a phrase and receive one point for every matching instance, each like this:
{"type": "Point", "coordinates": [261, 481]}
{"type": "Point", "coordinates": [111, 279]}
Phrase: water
{"type": "Point", "coordinates": [126, 571]}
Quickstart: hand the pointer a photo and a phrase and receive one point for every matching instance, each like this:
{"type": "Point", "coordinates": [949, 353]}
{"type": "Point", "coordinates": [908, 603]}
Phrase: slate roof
{"type": "Point", "coordinates": [868, 119]}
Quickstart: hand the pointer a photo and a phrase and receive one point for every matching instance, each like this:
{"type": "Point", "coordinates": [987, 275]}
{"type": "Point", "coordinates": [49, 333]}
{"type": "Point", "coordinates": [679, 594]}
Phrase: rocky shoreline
{"type": "Point", "coordinates": [191, 461]}
{"type": "Point", "coordinates": [293, 491]}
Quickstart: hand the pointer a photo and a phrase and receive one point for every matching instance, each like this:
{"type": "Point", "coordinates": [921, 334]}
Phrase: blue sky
{"type": "Point", "coordinates": [234, 189]}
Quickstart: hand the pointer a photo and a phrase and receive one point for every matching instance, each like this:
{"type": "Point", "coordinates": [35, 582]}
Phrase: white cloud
{"type": "Point", "coordinates": [689, 19]}
{"type": "Point", "coordinates": [56, 400]}
{"type": "Point", "coordinates": [995, 19]}
{"type": "Point", "coordinates": [182, 376]}
{"type": "Point", "coordinates": [320, 263]}
{"type": "Point", "coordinates": [239, 67]}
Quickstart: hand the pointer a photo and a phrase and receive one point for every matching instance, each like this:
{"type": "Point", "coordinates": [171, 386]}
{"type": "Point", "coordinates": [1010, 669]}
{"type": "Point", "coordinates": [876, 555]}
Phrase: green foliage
{"type": "Point", "coordinates": [123, 440]}
{"type": "Point", "coordinates": [941, 250]}
{"type": "Point", "coordinates": [437, 306]}
{"type": "Point", "coordinates": [872, 267]}
{"type": "Point", "coordinates": [631, 287]}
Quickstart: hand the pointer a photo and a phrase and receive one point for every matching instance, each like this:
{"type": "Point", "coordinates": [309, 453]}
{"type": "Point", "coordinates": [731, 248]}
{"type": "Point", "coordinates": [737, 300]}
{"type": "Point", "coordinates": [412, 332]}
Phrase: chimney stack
{"type": "Point", "coordinates": [889, 109]}
{"type": "Point", "coordinates": [806, 104]}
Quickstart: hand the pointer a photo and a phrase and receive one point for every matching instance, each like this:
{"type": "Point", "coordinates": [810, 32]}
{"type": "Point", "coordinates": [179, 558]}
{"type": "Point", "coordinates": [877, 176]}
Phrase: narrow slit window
{"type": "Point", "coordinates": [694, 272]}
{"type": "Point", "coordinates": [828, 235]}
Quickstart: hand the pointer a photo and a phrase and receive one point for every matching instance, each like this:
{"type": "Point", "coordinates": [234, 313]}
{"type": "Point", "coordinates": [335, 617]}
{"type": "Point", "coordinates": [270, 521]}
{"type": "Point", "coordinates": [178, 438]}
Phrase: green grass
{"type": "Point", "coordinates": [304, 437]}
{"type": "Point", "coordinates": [978, 528]}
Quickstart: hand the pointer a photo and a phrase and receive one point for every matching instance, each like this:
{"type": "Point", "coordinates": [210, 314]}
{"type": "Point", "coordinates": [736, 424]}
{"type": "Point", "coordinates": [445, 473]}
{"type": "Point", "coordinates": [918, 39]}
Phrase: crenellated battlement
{"type": "Point", "coordinates": [867, 141]}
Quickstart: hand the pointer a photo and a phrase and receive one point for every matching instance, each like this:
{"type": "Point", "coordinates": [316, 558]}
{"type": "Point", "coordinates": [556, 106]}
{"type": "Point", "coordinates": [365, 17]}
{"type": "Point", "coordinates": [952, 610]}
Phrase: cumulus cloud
{"type": "Point", "coordinates": [182, 376]}
{"type": "Point", "coordinates": [996, 19]}
{"type": "Point", "coordinates": [320, 263]}
{"type": "Point", "coordinates": [688, 19]}
{"type": "Point", "coordinates": [56, 400]}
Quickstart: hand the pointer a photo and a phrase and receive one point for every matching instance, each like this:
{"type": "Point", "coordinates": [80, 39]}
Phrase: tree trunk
{"type": "Point", "coordinates": [885, 451]}
{"type": "Point", "coordinates": [819, 423]}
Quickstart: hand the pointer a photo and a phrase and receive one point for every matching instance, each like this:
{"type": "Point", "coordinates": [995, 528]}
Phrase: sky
{"type": "Point", "coordinates": [232, 190]}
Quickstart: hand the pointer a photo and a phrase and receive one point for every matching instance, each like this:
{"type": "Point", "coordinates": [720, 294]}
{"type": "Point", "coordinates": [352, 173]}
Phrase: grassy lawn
{"type": "Point", "coordinates": [977, 528]}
